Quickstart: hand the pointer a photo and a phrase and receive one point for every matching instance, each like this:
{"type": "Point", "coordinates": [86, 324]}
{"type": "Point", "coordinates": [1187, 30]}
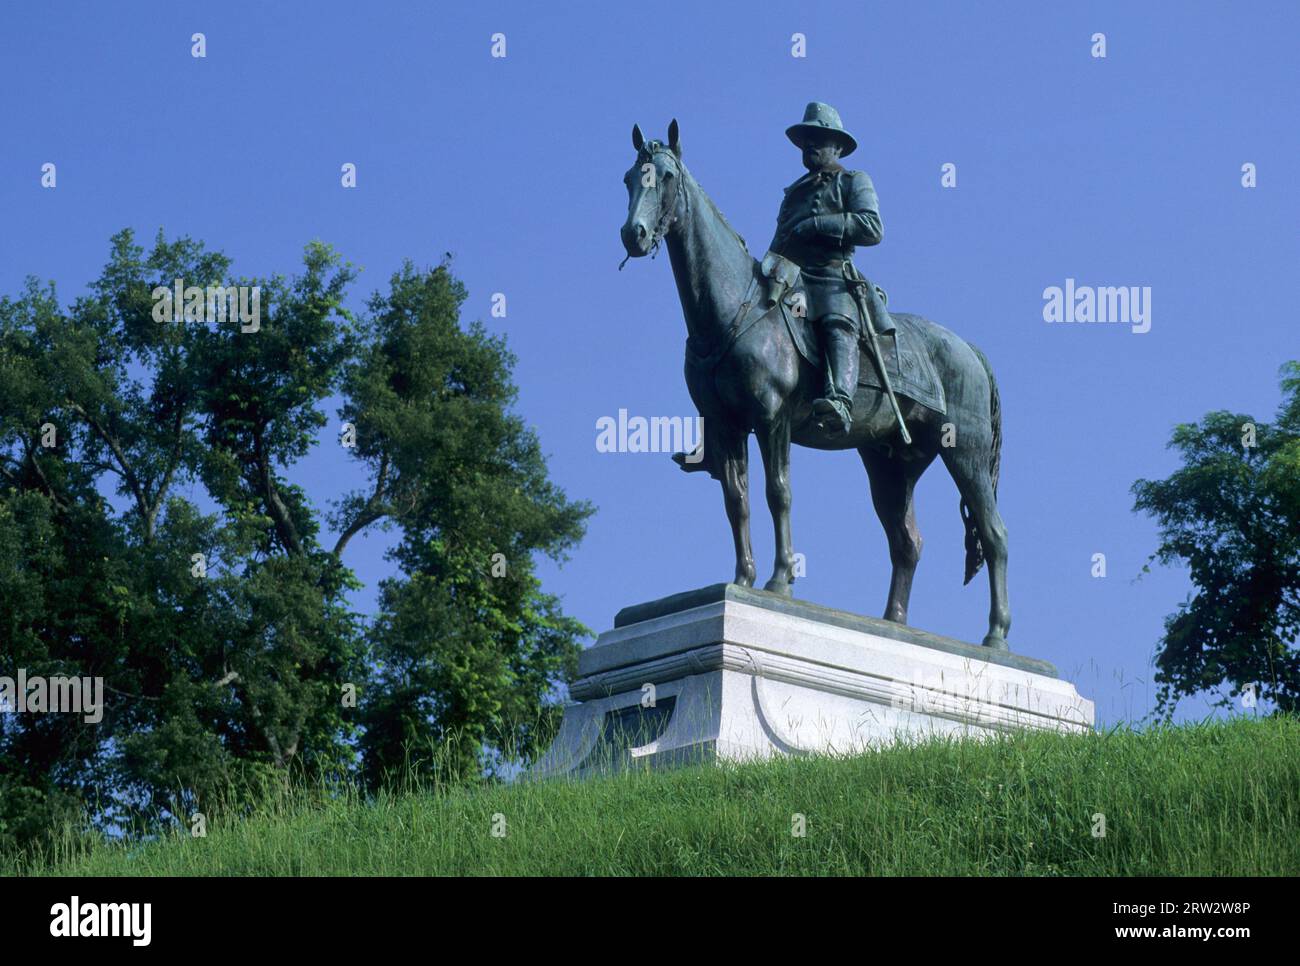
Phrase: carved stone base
{"type": "Point", "coordinates": [727, 672]}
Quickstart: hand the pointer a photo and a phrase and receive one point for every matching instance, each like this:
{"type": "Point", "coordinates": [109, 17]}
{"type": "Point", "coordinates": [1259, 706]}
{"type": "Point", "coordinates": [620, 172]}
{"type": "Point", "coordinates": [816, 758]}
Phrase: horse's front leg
{"type": "Point", "coordinates": [774, 442]}
{"type": "Point", "coordinates": [731, 449]}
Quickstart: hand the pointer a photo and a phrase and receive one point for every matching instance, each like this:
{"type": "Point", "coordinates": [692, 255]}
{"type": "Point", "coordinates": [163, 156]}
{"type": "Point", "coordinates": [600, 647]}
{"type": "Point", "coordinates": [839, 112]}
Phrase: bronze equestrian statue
{"type": "Point", "coordinates": [754, 360]}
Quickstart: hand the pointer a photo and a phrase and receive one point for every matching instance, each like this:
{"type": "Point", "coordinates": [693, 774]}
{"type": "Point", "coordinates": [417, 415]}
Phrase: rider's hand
{"type": "Point", "coordinates": [805, 229]}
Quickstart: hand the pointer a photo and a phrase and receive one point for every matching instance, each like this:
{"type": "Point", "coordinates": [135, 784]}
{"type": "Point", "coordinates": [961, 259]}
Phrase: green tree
{"type": "Point", "coordinates": [1231, 514]}
{"type": "Point", "coordinates": [467, 645]}
{"type": "Point", "coordinates": [151, 535]}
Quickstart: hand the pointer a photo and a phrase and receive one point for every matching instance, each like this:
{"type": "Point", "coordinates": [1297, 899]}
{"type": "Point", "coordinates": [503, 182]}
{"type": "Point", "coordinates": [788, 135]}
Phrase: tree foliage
{"type": "Point", "coordinates": [1231, 514]}
{"type": "Point", "coordinates": [178, 439]}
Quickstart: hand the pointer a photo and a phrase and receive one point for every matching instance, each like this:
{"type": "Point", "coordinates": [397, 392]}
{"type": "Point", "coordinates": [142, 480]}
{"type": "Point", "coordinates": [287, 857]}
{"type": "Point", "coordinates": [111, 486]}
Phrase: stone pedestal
{"type": "Point", "coordinates": [727, 672]}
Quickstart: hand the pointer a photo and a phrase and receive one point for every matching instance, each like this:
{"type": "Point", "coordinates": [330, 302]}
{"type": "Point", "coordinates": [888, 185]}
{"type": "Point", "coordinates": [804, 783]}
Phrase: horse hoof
{"type": "Point", "coordinates": [781, 587]}
{"type": "Point", "coordinates": [995, 642]}
{"type": "Point", "coordinates": [744, 580]}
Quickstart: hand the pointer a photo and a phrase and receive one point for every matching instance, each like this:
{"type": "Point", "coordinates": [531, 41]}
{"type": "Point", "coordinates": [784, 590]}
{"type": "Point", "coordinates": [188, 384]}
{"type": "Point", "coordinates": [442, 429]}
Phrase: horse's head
{"type": "Point", "coordinates": [654, 191]}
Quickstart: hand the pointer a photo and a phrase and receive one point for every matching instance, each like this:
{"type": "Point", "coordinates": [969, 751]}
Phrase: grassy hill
{"type": "Point", "coordinates": [1214, 799]}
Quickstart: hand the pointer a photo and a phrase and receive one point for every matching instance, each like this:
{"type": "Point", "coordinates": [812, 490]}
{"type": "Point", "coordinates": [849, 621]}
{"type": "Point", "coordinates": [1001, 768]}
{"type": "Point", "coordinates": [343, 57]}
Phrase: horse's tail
{"type": "Point", "coordinates": [974, 549]}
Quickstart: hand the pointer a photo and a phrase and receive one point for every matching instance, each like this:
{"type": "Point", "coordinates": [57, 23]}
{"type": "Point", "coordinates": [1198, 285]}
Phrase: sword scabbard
{"type": "Point", "coordinates": [856, 281]}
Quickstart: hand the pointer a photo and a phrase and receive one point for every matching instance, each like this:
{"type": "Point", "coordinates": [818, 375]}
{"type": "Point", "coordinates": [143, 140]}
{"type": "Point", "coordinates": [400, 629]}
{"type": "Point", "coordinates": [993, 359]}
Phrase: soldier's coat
{"type": "Point", "coordinates": [823, 217]}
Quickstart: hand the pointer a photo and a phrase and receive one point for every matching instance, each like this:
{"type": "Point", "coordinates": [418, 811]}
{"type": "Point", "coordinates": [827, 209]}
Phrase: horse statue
{"type": "Point", "coordinates": [751, 367]}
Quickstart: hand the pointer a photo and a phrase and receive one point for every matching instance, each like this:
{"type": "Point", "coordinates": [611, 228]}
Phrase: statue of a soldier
{"type": "Point", "coordinates": [825, 214]}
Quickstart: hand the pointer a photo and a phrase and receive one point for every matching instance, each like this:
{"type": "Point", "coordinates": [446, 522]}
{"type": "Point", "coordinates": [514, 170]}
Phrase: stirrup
{"type": "Point", "coordinates": [833, 407]}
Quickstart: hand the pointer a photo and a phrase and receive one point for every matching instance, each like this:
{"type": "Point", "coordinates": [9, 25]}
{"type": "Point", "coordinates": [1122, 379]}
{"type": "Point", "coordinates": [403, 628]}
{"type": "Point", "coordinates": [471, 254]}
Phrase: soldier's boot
{"type": "Point", "coordinates": [834, 411]}
{"type": "Point", "coordinates": [880, 317]}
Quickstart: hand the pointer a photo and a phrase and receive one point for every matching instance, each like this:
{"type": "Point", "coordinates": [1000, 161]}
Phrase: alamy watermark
{"type": "Point", "coordinates": [934, 691]}
{"type": "Point", "coordinates": [35, 694]}
{"type": "Point", "coordinates": [1121, 304]}
{"type": "Point", "coordinates": [76, 919]}
{"type": "Point", "coordinates": [216, 304]}
{"type": "Point", "coordinates": [655, 434]}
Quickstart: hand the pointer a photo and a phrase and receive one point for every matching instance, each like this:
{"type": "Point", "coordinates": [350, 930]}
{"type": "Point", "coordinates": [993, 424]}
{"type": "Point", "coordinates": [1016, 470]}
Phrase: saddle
{"type": "Point", "coordinates": [911, 370]}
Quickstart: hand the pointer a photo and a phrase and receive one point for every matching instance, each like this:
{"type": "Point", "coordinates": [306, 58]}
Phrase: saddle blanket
{"type": "Point", "coordinates": [911, 370]}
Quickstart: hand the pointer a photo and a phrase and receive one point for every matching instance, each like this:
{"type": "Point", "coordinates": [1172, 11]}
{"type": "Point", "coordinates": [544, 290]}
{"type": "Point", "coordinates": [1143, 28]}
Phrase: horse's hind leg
{"type": "Point", "coordinates": [969, 467]}
{"type": "Point", "coordinates": [892, 484]}
{"type": "Point", "coordinates": [729, 450]}
{"type": "Point", "coordinates": [774, 442]}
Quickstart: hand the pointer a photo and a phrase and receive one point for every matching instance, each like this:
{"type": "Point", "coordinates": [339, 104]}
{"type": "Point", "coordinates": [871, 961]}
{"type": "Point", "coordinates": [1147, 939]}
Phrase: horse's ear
{"type": "Point", "coordinates": [638, 139]}
{"type": "Point", "coordinates": [674, 145]}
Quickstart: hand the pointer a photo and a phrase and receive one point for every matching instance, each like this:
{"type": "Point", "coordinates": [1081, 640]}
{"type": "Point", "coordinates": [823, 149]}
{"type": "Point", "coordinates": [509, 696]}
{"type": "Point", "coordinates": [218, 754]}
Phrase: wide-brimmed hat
{"type": "Point", "coordinates": [824, 118]}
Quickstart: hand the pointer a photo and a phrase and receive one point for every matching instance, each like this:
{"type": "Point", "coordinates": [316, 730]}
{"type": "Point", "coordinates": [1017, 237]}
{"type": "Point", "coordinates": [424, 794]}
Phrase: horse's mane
{"type": "Point", "coordinates": [713, 207]}
{"type": "Point", "coordinates": [652, 148]}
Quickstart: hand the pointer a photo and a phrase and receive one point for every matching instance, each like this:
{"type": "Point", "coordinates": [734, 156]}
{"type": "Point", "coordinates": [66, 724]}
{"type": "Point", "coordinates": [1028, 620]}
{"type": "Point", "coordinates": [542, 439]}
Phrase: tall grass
{"type": "Point", "coordinates": [1221, 798]}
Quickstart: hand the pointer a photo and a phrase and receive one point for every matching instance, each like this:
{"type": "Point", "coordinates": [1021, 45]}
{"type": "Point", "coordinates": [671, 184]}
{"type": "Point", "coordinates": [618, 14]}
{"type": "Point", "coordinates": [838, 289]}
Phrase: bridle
{"type": "Point", "coordinates": [667, 216]}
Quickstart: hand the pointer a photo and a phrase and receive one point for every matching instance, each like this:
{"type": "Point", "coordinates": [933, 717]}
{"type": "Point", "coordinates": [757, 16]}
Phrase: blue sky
{"type": "Point", "coordinates": [1117, 171]}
